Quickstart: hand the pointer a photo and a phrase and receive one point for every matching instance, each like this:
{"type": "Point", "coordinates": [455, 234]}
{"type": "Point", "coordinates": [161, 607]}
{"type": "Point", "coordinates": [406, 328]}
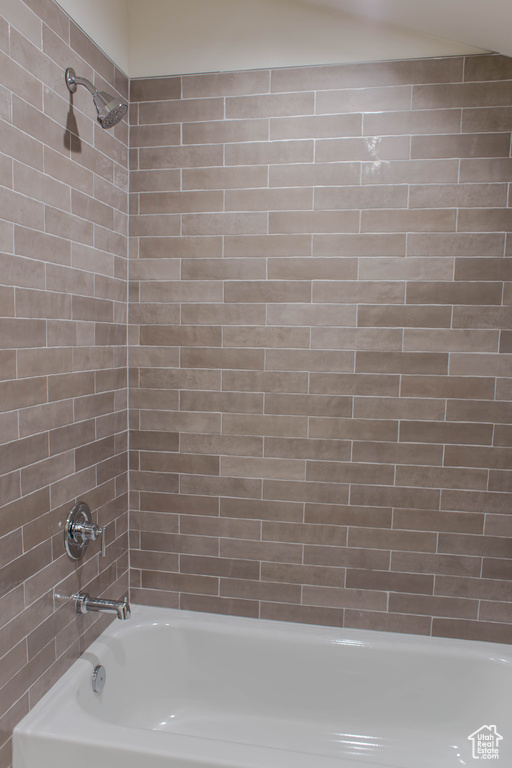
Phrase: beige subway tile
{"type": "Point", "coordinates": [181, 157]}
{"type": "Point", "coordinates": [482, 317]}
{"type": "Point", "coordinates": [155, 135]}
{"type": "Point", "coordinates": [359, 292]}
{"type": "Point", "coordinates": [382, 196]}
{"type": "Point", "coordinates": [308, 405]}
{"type": "Point", "coordinates": [354, 384]}
{"type": "Point", "coordinates": [223, 269]}
{"type": "Point", "coordinates": [401, 362]}
{"type": "Point", "coordinates": [224, 402]}
{"type": "Point", "coordinates": [376, 149]}
{"type": "Point", "coordinates": [267, 291]}
{"type": "Point", "coordinates": [309, 360]}
{"type": "Point", "coordinates": [394, 540]}
{"type": "Point", "coordinates": [484, 220]}
{"type": "Point", "coordinates": [226, 84]}
{"type": "Point", "coordinates": [482, 269]}
{"type": "Point", "coordinates": [461, 95]}
{"type": "Point", "coordinates": [21, 82]}
{"type": "Point", "coordinates": [259, 550]}
{"type": "Point", "coordinates": [434, 606]}
{"type": "Point", "coordinates": [269, 152]}
{"type": "Point", "coordinates": [453, 565]}
{"type": "Point", "coordinates": [363, 99]}
{"type": "Point", "coordinates": [457, 195]}
{"type": "Point", "coordinates": [238, 177]}
{"type": "Point", "coordinates": [290, 314]}
{"type": "Point", "coordinates": [265, 381]}
{"type": "Point", "coordinates": [349, 472]}
{"type": "Point", "coordinates": [154, 89]}
{"type": "Point", "coordinates": [177, 336]}
{"type": "Point", "coordinates": [356, 338]}
{"type": "Point", "coordinates": [344, 598]}
{"type": "Point", "coordinates": [408, 221]}
{"type": "Point", "coordinates": [249, 336]}
{"type": "Point", "coordinates": [154, 181]}
{"type": "Point", "coordinates": [390, 582]}
{"type": "Point", "coordinates": [413, 498]}
{"type": "Point", "coordinates": [458, 387]}
{"type": "Point", "coordinates": [494, 118]}
{"type": "Point", "coordinates": [480, 364]}
{"type": "Point", "coordinates": [258, 590]}
{"type": "Point", "coordinates": [258, 509]}
{"type": "Point", "coordinates": [453, 293]}
{"type": "Point", "coordinates": [307, 448]}
{"type": "Point", "coordinates": [399, 408]}
{"type": "Point", "coordinates": [482, 170]}
{"type": "Point", "coordinates": [270, 105]}
{"type": "Point", "coordinates": [441, 477]}
{"type": "Point", "coordinates": [179, 379]}
{"type": "Point", "coordinates": [336, 514]}
{"type": "Point", "coordinates": [226, 131]}
{"type": "Point", "coordinates": [435, 121]}
{"type": "Point", "coordinates": [410, 172]}
{"type": "Point", "coordinates": [180, 202]}
{"type": "Point", "coordinates": [312, 269]}
{"type": "Point", "coordinates": [269, 200]}
{"type": "Point", "coordinates": [279, 426]}
{"type": "Point", "coordinates": [460, 146]}
{"type": "Point", "coordinates": [181, 111]}
{"type": "Point", "coordinates": [450, 340]}
{"type": "Point", "coordinates": [471, 411]}
{"type": "Point", "coordinates": [438, 521]}
{"type": "Point", "coordinates": [321, 492]}
{"type": "Point", "coordinates": [313, 174]}
{"type": "Point", "coordinates": [315, 127]}
{"type": "Point", "coordinates": [459, 244]}
{"type": "Point", "coordinates": [281, 469]}
{"type": "Point", "coordinates": [268, 245]}
{"type": "Point", "coordinates": [389, 316]}
{"type": "Point", "coordinates": [353, 429]}
{"type": "Point", "coordinates": [222, 358]}
{"type": "Point", "coordinates": [223, 314]}
{"type": "Point", "coordinates": [474, 501]}
{"type": "Point", "coordinates": [184, 291]}
{"type": "Point", "coordinates": [221, 486]}
{"type": "Point", "coordinates": [451, 433]}
{"type": "Point", "coordinates": [224, 223]}
{"type": "Point", "coordinates": [225, 445]}
{"type": "Point", "coordinates": [290, 573]}
{"type": "Point", "coordinates": [390, 73]}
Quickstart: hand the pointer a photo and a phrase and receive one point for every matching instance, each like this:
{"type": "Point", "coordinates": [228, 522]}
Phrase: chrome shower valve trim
{"type": "Point", "coordinates": [80, 530]}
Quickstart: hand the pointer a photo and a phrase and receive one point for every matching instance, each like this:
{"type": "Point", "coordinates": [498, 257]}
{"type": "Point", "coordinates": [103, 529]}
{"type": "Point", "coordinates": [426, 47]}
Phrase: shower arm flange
{"type": "Point", "coordinates": [72, 80]}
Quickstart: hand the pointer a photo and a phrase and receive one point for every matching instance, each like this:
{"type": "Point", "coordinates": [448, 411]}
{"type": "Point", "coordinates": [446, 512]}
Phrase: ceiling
{"type": "Point", "coordinates": [483, 24]}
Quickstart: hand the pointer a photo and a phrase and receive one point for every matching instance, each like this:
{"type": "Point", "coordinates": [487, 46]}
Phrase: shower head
{"type": "Point", "coordinates": [110, 109]}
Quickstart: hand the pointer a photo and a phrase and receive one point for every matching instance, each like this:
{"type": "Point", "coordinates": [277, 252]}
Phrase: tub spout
{"type": "Point", "coordinates": [85, 603]}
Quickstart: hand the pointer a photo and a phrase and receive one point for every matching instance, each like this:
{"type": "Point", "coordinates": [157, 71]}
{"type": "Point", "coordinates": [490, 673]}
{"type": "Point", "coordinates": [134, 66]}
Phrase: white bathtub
{"type": "Point", "coordinates": [192, 690]}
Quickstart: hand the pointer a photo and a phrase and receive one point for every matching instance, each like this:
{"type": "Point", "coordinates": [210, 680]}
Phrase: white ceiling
{"type": "Point", "coordinates": [481, 23]}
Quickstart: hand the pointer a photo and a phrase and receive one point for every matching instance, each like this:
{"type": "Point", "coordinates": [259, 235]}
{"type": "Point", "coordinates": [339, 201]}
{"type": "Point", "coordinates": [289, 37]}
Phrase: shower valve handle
{"type": "Point", "coordinates": [90, 532]}
{"type": "Point", "coordinates": [80, 530]}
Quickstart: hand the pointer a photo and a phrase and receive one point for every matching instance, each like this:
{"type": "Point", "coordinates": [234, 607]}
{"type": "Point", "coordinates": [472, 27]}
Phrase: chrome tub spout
{"type": "Point", "coordinates": [85, 603]}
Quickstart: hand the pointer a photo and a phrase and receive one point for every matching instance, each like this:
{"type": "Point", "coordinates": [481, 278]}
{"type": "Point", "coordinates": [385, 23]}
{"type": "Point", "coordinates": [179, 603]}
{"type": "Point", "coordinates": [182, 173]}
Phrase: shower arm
{"type": "Point", "coordinates": [72, 80]}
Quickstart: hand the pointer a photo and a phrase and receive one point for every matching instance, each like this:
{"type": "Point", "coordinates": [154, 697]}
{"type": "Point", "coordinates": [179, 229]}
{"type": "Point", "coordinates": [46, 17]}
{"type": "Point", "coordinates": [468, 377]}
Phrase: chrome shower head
{"type": "Point", "coordinates": [110, 109]}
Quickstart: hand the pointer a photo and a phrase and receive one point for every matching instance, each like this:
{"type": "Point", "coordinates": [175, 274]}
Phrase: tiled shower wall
{"type": "Point", "coordinates": [63, 399]}
{"type": "Point", "coordinates": [321, 339]}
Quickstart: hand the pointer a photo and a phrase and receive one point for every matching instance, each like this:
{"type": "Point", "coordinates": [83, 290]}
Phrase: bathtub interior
{"type": "Point", "coordinates": [340, 694]}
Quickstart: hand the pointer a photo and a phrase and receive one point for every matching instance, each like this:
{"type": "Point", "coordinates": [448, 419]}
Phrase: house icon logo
{"type": "Point", "coordinates": [486, 743]}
